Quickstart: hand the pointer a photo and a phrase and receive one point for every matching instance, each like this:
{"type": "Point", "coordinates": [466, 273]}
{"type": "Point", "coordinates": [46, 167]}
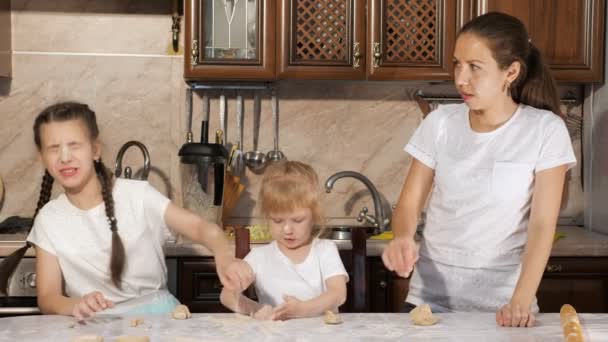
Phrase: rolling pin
{"type": "Point", "coordinates": [571, 324]}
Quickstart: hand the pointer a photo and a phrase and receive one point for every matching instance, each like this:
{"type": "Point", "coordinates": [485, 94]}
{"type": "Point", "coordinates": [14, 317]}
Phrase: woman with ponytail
{"type": "Point", "coordinates": [99, 244]}
{"type": "Point", "coordinates": [494, 167]}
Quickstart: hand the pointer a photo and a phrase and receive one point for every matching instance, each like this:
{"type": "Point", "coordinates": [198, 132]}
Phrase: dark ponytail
{"type": "Point", "coordinates": [117, 260]}
{"type": "Point", "coordinates": [10, 263]}
{"type": "Point", "coordinates": [507, 38]}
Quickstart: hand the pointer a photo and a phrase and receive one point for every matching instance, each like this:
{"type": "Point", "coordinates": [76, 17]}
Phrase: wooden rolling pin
{"type": "Point", "coordinates": [571, 324]}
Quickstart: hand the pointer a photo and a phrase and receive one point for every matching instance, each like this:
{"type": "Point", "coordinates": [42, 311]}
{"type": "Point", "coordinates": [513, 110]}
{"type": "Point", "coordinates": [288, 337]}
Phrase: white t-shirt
{"type": "Point", "coordinates": [478, 212]}
{"type": "Point", "coordinates": [480, 203]}
{"type": "Point", "coordinates": [276, 275]}
{"type": "Point", "coordinates": [82, 241]}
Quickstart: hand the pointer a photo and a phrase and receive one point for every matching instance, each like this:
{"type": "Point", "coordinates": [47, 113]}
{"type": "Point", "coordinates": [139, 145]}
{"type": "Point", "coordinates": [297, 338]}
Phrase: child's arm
{"type": "Point", "coordinates": [233, 273]}
{"type": "Point", "coordinates": [237, 302]}
{"type": "Point", "coordinates": [328, 300]}
{"type": "Point", "coordinates": [50, 295]}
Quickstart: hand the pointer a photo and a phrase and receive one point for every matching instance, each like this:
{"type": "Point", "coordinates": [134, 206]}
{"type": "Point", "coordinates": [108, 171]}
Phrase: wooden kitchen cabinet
{"type": "Point", "coordinates": [387, 290]}
{"type": "Point", "coordinates": [229, 40]}
{"type": "Point", "coordinates": [198, 286]}
{"type": "Point", "coordinates": [367, 39]}
{"type": "Point", "coordinates": [580, 281]}
{"type": "Point", "coordinates": [569, 33]}
{"type": "Point", "coordinates": [5, 38]}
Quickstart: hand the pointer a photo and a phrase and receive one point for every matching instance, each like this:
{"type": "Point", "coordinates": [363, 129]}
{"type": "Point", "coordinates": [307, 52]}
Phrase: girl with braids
{"type": "Point", "coordinates": [495, 168]}
{"type": "Point", "coordinates": [101, 242]}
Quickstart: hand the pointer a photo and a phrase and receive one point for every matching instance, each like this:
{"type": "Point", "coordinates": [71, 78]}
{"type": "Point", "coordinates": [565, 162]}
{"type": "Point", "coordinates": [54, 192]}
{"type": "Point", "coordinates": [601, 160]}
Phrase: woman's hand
{"type": "Point", "coordinates": [291, 308]}
{"type": "Point", "coordinates": [400, 256]}
{"type": "Point", "coordinates": [235, 274]}
{"type": "Point", "coordinates": [90, 304]}
{"type": "Point", "coordinates": [264, 313]}
{"type": "Point", "coordinates": [515, 314]}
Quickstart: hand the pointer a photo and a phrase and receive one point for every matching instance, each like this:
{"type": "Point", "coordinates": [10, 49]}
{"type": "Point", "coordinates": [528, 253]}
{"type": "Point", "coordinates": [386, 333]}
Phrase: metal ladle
{"type": "Point", "coordinates": [255, 159]}
{"type": "Point", "coordinates": [275, 154]}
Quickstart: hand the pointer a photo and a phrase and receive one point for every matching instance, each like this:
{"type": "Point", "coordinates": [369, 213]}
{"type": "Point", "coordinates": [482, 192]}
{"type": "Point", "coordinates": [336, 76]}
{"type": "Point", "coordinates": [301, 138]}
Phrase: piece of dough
{"type": "Point", "coordinates": [422, 315]}
{"type": "Point", "coordinates": [88, 338]}
{"type": "Point", "coordinates": [136, 321]}
{"type": "Point", "coordinates": [332, 318]}
{"type": "Point", "coordinates": [127, 338]}
{"type": "Point", "coordinates": [181, 312]}
{"type": "Point", "coordinates": [571, 325]}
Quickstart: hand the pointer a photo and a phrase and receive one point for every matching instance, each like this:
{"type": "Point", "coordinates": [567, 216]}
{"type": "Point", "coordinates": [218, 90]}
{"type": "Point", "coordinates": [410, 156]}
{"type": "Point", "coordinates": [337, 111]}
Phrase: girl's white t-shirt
{"type": "Point", "coordinates": [82, 241]}
{"type": "Point", "coordinates": [479, 207]}
{"type": "Point", "coordinates": [276, 275]}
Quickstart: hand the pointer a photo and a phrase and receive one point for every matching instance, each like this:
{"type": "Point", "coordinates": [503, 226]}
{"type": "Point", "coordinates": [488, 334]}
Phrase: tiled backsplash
{"type": "Point", "coordinates": [118, 64]}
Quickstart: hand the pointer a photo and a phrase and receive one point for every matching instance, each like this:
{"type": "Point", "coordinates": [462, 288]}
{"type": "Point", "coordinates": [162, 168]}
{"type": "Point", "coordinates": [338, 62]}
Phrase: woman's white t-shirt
{"type": "Point", "coordinates": [82, 241]}
{"type": "Point", "coordinates": [276, 275]}
{"type": "Point", "coordinates": [479, 207]}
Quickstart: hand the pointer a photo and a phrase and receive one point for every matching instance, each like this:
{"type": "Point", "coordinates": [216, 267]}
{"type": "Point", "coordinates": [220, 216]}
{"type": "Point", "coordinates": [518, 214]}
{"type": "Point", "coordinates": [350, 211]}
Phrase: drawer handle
{"type": "Point", "coordinates": [554, 268]}
{"type": "Point", "coordinates": [382, 284]}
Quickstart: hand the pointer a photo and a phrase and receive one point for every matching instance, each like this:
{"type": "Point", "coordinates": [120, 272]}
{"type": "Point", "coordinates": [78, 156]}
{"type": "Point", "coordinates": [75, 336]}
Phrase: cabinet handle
{"type": "Point", "coordinates": [377, 55]}
{"type": "Point", "coordinates": [382, 284]}
{"type": "Point", "coordinates": [194, 52]}
{"type": "Point", "coordinates": [554, 268]}
{"type": "Point", "coordinates": [356, 55]}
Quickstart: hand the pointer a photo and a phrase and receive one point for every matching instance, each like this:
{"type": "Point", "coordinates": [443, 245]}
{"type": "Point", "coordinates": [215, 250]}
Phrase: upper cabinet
{"type": "Point", "coordinates": [230, 39]}
{"type": "Point", "coordinates": [321, 39]}
{"type": "Point", "coordinates": [375, 39]}
{"type": "Point", "coordinates": [569, 33]}
{"type": "Point", "coordinates": [5, 38]}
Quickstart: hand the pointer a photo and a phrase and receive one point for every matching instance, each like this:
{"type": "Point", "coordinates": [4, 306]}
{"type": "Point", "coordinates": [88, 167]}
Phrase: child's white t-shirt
{"type": "Point", "coordinates": [480, 203]}
{"type": "Point", "coordinates": [276, 275]}
{"type": "Point", "coordinates": [82, 241]}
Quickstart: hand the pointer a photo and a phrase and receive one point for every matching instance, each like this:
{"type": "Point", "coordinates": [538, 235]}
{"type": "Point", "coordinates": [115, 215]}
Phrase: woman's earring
{"type": "Point", "coordinates": [507, 87]}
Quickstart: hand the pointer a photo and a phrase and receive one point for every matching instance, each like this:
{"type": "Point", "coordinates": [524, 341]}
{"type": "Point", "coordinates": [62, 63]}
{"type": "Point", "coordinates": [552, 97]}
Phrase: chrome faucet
{"type": "Point", "coordinates": [378, 221]}
{"type": "Point", "coordinates": [128, 171]}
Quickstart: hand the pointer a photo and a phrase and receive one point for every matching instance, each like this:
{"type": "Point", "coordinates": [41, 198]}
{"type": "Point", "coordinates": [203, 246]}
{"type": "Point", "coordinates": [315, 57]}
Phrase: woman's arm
{"type": "Point", "coordinates": [331, 299]}
{"type": "Point", "coordinates": [544, 212]}
{"type": "Point", "coordinates": [233, 273]}
{"type": "Point", "coordinates": [401, 252]}
{"type": "Point", "coordinates": [50, 294]}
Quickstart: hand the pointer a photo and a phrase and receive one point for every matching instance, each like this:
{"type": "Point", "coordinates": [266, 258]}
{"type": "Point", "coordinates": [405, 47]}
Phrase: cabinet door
{"type": "Point", "coordinates": [569, 33]}
{"type": "Point", "coordinates": [321, 39]}
{"type": "Point", "coordinates": [581, 282]}
{"type": "Point", "coordinates": [229, 39]}
{"type": "Point", "coordinates": [199, 286]}
{"type": "Point", "coordinates": [387, 290]}
{"type": "Point", "coordinates": [411, 39]}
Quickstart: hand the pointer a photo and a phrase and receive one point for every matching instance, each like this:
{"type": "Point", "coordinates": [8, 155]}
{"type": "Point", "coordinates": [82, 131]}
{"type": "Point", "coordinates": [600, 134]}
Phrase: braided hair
{"type": "Point", "coordinates": [60, 112]}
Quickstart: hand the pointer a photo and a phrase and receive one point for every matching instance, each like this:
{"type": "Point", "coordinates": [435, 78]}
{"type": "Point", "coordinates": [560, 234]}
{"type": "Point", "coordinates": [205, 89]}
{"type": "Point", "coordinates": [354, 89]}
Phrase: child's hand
{"type": "Point", "coordinates": [291, 308]}
{"type": "Point", "coordinates": [264, 313]}
{"type": "Point", "coordinates": [235, 274]}
{"type": "Point", "coordinates": [90, 304]}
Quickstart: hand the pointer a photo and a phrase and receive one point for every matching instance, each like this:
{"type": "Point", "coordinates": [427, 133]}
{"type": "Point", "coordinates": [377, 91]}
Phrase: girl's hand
{"type": "Point", "coordinates": [400, 256]}
{"type": "Point", "coordinates": [291, 308]}
{"type": "Point", "coordinates": [235, 274]}
{"type": "Point", "coordinates": [264, 313]}
{"type": "Point", "coordinates": [90, 304]}
{"type": "Point", "coordinates": [515, 315]}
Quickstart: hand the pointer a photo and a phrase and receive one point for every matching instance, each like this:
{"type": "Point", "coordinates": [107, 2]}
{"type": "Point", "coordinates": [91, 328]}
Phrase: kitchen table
{"type": "Point", "coordinates": [356, 327]}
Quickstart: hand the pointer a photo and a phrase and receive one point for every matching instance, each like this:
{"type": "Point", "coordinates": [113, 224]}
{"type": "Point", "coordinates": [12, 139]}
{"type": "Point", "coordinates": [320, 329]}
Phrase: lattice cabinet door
{"type": "Point", "coordinates": [321, 39]}
{"type": "Point", "coordinates": [230, 39]}
{"type": "Point", "coordinates": [569, 33]}
{"type": "Point", "coordinates": [411, 39]}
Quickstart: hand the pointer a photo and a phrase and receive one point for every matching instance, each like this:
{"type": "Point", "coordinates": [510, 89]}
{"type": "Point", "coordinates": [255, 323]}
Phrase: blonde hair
{"type": "Point", "coordinates": [291, 185]}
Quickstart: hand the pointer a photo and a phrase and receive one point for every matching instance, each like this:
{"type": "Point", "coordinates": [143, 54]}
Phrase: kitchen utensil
{"type": "Point", "coordinates": [256, 160]}
{"type": "Point", "coordinates": [275, 154]}
{"type": "Point", "coordinates": [236, 160]}
{"type": "Point", "coordinates": [223, 116]}
{"type": "Point", "coordinates": [199, 161]}
{"type": "Point", "coordinates": [233, 188]}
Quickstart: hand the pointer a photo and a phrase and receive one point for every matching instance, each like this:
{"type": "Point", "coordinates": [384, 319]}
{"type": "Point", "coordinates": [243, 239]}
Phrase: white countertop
{"type": "Point", "coordinates": [356, 327]}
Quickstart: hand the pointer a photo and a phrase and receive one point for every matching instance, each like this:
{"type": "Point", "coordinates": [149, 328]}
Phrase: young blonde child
{"type": "Point", "coordinates": [297, 274]}
{"type": "Point", "coordinates": [99, 222]}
